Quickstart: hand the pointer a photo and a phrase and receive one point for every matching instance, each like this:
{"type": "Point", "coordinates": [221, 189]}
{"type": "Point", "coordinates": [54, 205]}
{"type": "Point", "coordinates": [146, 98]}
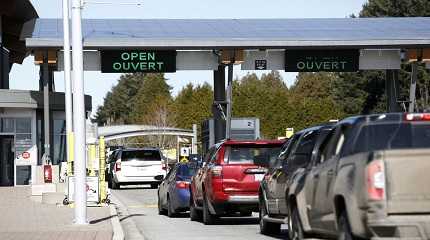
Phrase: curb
{"type": "Point", "coordinates": [118, 233]}
{"type": "Point", "coordinates": [133, 232]}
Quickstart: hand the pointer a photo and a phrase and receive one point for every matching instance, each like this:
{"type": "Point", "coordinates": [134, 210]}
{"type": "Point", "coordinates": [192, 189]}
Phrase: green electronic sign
{"type": "Point", "coordinates": [322, 60]}
{"type": "Point", "coordinates": [132, 61]}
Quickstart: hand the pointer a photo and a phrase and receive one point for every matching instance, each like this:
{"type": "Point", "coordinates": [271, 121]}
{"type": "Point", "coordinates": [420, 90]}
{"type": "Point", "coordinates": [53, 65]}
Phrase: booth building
{"type": "Point", "coordinates": [27, 131]}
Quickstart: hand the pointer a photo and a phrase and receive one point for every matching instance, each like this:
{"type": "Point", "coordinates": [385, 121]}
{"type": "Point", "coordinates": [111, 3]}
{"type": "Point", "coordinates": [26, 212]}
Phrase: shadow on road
{"type": "Point", "coordinates": [130, 216]}
{"type": "Point", "coordinates": [125, 188]}
{"type": "Point", "coordinates": [236, 221]}
{"type": "Point", "coordinates": [101, 219]}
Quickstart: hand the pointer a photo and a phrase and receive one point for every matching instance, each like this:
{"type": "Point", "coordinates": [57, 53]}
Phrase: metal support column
{"type": "Point", "coordinates": [79, 116]}
{"type": "Point", "coordinates": [392, 90]}
{"type": "Point", "coordinates": [412, 97]}
{"type": "Point", "coordinates": [194, 140]}
{"type": "Point", "coordinates": [68, 85]}
{"type": "Point", "coordinates": [45, 75]}
{"type": "Point", "coordinates": [219, 106]}
{"type": "Point", "coordinates": [229, 101]}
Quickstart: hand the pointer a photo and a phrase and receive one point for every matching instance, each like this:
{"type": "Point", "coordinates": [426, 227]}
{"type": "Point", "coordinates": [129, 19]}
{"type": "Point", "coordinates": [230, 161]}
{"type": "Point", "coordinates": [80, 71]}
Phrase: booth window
{"type": "Point", "coordinates": [59, 141]}
{"type": "Point", "coordinates": [7, 125]}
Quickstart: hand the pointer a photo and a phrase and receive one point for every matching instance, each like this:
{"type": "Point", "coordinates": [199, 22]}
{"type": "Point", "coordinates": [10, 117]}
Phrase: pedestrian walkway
{"type": "Point", "coordinates": [23, 219]}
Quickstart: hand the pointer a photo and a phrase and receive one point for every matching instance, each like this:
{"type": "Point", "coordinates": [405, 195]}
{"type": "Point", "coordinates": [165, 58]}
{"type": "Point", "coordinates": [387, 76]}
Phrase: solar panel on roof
{"type": "Point", "coordinates": [220, 32]}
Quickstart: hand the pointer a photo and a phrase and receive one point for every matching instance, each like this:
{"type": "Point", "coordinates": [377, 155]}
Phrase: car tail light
{"type": "Point", "coordinates": [376, 180]}
{"type": "Point", "coordinates": [216, 171]}
{"type": "Point", "coordinates": [117, 166]}
{"type": "Point", "coordinates": [182, 184]}
{"type": "Point", "coordinates": [417, 117]}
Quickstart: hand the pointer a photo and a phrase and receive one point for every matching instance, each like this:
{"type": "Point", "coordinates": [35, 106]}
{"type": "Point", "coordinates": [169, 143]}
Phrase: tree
{"type": "Point", "coordinates": [154, 87]}
{"type": "Point", "coordinates": [312, 100]}
{"type": "Point", "coordinates": [193, 105]}
{"type": "Point", "coordinates": [265, 98]}
{"type": "Point", "coordinates": [117, 106]}
{"type": "Point", "coordinates": [363, 92]}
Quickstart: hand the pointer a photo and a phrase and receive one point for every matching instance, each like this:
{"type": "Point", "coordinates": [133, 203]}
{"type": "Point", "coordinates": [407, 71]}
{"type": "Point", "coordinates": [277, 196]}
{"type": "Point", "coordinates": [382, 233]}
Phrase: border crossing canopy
{"type": "Point", "coordinates": [182, 34]}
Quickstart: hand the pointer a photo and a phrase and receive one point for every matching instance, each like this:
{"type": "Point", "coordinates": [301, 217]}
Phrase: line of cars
{"type": "Point", "coordinates": [364, 177]}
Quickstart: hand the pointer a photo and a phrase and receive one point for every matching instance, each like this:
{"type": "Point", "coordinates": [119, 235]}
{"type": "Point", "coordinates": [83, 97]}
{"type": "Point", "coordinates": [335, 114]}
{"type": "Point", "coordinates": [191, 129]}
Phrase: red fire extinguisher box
{"type": "Point", "coordinates": [47, 173]}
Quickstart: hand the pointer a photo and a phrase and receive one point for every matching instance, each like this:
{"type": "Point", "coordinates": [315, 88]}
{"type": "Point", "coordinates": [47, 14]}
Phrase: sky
{"type": "Point", "coordinates": [26, 76]}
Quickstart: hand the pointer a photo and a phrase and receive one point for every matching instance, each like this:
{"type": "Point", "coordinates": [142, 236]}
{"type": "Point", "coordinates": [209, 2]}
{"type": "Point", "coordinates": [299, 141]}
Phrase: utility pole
{"type": "Point", "coordinates": [67, 84]}
{"type": "Point", "coordinates": [79, 116]}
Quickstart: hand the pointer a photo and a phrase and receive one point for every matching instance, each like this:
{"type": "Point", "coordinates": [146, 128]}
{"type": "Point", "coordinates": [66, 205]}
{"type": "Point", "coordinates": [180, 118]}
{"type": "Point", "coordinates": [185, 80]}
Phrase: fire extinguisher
{"type": "Point", "coordinates": [47, 173]}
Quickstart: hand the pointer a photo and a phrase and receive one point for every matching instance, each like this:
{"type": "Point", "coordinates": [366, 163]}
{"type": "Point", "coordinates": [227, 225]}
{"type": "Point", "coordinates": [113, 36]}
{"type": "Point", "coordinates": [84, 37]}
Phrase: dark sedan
{"type": "Point", "coordinates": [174, 191]}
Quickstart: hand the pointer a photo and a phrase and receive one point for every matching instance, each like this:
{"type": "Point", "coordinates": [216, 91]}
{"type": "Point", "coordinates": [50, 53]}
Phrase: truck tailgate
{"type": "Point", "coordinates": [408, 181]}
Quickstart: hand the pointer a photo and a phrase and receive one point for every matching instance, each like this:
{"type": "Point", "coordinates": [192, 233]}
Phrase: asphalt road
{"type": "Point", "coordinates": [137, 207]}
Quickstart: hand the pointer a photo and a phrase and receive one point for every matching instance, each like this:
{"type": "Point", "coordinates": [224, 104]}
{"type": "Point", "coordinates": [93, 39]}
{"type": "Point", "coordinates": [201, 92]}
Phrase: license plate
{"type": "Point", "coordinates": [259, 177]}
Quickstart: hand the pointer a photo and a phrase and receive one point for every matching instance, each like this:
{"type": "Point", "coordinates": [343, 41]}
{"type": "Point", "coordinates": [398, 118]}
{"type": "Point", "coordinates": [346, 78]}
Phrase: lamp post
{"type": "Point", "coordinates": [79, 116]}
{"type": "Point", "coordinates": [67, 83]}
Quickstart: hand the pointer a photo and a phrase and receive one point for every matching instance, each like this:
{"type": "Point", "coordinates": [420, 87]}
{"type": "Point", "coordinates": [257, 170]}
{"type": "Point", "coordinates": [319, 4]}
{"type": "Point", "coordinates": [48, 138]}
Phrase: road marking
{"type": "Point", "coordinates": [143, 206]}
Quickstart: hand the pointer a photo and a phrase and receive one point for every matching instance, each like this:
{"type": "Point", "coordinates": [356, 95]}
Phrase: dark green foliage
{"type": "Point", "coordinates": [364, 92]}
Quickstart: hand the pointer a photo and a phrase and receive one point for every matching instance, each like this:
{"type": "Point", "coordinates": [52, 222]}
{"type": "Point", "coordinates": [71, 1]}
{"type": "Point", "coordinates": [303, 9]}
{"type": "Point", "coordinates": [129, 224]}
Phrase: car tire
{"type": "Point", "coordinates": [115, 185]}
{"type": "Point", "coordinates": [170, 211]}
{"type": "Point", "coordinates": [194, 213]}
{"type": "Point", "coordinates": [267, 228]}
{"type": "Point", "coordinates": [109, 182]}
{"type": "Point", "coordinates": [295, 227]}
{"type": "Point", "coordinates": [344, 227]}
{"type": "Point", "coordinates": [208, 218]}
{"type": "Point", "coordinates": [246, 213]}
{"type": "Point", "coordinates": [154, 185]}
{"type": "Point", "coordinates": [161, 211]}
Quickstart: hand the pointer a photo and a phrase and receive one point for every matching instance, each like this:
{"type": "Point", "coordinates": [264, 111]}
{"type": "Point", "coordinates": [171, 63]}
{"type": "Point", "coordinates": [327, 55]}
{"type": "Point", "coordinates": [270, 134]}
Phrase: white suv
{"type": "Point", "coordinates": [135, 166]}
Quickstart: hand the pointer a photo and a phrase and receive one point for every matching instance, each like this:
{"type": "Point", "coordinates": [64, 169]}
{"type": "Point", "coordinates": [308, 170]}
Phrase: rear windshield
{"type": "Point", "coordinates": [252, 154]}
{"type": "Point", "coordinates": [186, 171]}
{"type": "Point", "coordinates": [393, 136]}
{"type": "Point", "coordinates": [141, 155]}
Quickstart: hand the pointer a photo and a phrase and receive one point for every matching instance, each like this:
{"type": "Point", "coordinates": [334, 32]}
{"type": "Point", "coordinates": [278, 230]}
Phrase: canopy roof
{"type": "Point", "coordinates": [14, 14]}
{"type": "Point", "coordinates": [237, 33]}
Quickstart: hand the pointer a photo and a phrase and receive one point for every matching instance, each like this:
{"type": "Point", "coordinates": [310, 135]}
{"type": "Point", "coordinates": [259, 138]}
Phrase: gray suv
{"type": "Point", "coordinates": [296, 153]}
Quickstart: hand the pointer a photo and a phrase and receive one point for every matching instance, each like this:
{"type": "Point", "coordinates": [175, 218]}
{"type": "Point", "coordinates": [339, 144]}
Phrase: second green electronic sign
{"type": "Point", "coordinates": [343, 60]}
{"type": "Point", "coordinates": [131, 61]}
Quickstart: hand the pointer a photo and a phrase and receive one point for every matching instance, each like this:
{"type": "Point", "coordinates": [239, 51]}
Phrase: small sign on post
{"type": "Point", "coordinates": [260, 64]}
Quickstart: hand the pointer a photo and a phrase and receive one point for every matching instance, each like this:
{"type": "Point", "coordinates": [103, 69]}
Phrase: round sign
{"type": "Point", "coordinates": [26, 155]}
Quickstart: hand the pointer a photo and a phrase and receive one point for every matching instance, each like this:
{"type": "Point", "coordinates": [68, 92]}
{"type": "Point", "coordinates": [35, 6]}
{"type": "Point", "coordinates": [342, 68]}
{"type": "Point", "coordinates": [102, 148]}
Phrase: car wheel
{"type": "Point", "coordinates": [344, 228]}
{"type": "Point", "coordinates": [208, 218]}
{"type": "Point", "coordinates": [115, 185]}
{"type": "Point", "coordinates": [170, 211]}
{"type": "Point", "coordinates": [246, 213]}
{"type": "Point", "coordinates": [109, 182]}
{"type": "Point", "coordinates": [161, 211]}
{"type": "Point", "coordinates": [194, 213]}
{"type": "Point", "coordinates": [295, 228]}
{"type": "Point", "coordinates": [154, 185]}
{"type": "Point", "coordinates": [267, 227]}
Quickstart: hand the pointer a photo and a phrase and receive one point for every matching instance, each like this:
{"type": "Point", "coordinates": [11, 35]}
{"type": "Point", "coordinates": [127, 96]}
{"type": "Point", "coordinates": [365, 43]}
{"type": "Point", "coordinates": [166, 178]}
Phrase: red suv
{"type": "Point", "coordinates": [229, 179]}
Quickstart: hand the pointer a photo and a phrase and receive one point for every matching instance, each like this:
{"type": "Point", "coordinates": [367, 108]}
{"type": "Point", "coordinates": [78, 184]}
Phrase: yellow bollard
{"type": "Point", "coordinates": [91, 159]}
{"type": "Point", "coordinates": [102, 158]}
